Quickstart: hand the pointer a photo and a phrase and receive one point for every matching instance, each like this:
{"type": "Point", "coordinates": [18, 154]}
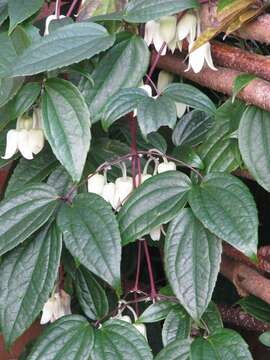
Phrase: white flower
{"type": "Point", "coordinates": [198, 57]}
{"type": "Point", "coordinates": [166, 166]}
{"type": "Point", "coordinates": [155, 233]}
{"type": "Point", "coordinates": [124, 187]}
{"type": "Point", "coordinates": [144, 177]}
{"type": "Point", "coordinates": [57, 305]}
{"type": "Point", "coordinates": [28, 138]}
{"type": "Point", "coordinates": [186, 27]}
{"type": "Point", "coordinates": [180, 109]}
{"type": "Point", "coordinates": [141, 328]}
{"type": "Point", "coordinates": [96, 184]}
{"type": "Point", "coordinates": [110, 194]}
{"type": "Point", "coordinates": [167, 28]}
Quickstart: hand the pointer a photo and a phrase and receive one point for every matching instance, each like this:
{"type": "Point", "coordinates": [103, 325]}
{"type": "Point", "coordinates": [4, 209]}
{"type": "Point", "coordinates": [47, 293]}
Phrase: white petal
{"type": "Point", "coordinates": [167, 28]}
{"type": "Point", "coordinates": [173, 44]}
{"type": "Point", "coordinates": [96, 184]}
{"type": "Point", "coordinates": [208, 57]}
{"type": "Point", "coordinates": [108, 193]}
{"type": "Point", "coordinates": [196, 58]}
{"type": "Point", "coordinates": [187, 26]}
{"type": "Point", "coordinates": [155, 233]}
{"type": "Point", "coordinates": [180, 109]}
{"type": "Point", "coordinates": [166, 166]}
{"type": "Point", "coordinates": [11, 145]}
{"type": "Point", "coordinates": [47, 312]}
{"type": "Point", "coordinates": [124, 187]}
{"type": "Point", "coordinates": [150, 29]}
{"type": "Point", "coordinates": [147, 88]}
{"type": "Point", "coordinates": [164, 79]}
{"type": "Point", "coordinates": [24, 145]}
{"type": "Point", "coordinates": [144, 177]}
{"type": "Point", "coordinates": [142, 329]}
{"type": "Point", "coordinates": [36, 140]}
{"type": "Point", "coordinates": [158, 43]}
{"type": "Point", "coordinates": [65, 302]}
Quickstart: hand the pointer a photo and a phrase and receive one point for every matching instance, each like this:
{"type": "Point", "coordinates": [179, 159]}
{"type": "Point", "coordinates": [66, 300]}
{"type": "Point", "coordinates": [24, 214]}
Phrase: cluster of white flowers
{"type": "Point", "coordinates": [167, 31]}
{"type": "Point", "coordinates": [116, 193]}
{"type": "Point", "coordinates": [28, 137]}
{"type": "Point", "coordinates": [57, 305]}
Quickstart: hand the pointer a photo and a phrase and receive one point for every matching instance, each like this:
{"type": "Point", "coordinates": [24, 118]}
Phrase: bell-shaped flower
{"type": "Point", "coordinates": [110, 194]}
{"type": "Point", "coordinates": [57, 305]}
{"type": "Point", "coordinates": [12, 144]}
{"type": "Point", "coordinates": [164, 79]}
{"type": "Point", "coordinates": [141, 179]}
{"type": "Point", "coordinates": [198, 57]}
{"type": "Point", "coordinates": [124, 187]}
{"type": "Point", "coordinates": [96, 184]}
{"type": "Point", "coordinates": [155, 233]}
{"type": "Point", "coordinates": [166, 166]}
{"type": "Point", "coordinates": [141, 328]}
{"type": "Point", "coordinates": [152, 35]}
{"type": "Point", "coordinates": [167, 28]}
{"type": "Point", "coordinates": [186, 27]}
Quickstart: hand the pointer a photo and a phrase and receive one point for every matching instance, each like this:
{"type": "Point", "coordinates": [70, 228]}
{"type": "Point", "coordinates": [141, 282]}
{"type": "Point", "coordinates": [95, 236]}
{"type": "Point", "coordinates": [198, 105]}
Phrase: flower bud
{"type": "Point", "coordinates": [96, 184]}
{"type": "Point", "coordinates": [167, 28]}
{"type": "Point", "coordinates": [164, 79]}
{"type": "Point", "coordinates": [110, 195]}
{"type": "Point", "coordinates": [166, 166]}
{"type": "Point", "coordinates": [24, 123]}
{"type": "Point", "coordinates": [124, 187]}
{"type": "Point", "coordinates": [155, 233]}
{"type": "Point", "coordinates": [142, 329]}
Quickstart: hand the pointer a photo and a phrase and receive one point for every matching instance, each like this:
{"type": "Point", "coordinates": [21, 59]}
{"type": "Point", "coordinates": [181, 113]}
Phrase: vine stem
{"type": "Point", "coordinates": [154, 64]}
{"type": "Point", "coordinates": [58, 8]}
{"type": "Point", "coordinates": [150, 271]}
{"type": "Point", "coordinates": [72, 6]}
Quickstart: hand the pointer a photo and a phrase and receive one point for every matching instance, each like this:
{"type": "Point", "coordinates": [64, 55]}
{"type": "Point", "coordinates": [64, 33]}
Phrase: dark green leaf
{"type": "Point", "coordinates": [91, 295]}
{"type": "Point", "coordinates": [192, 258]}
{"type": "Point", "coordinates": [28, 274]}
{"type": "Point", "coordinates": [156, 312]}
{"type": "Point", "coordinates": [20, 39]}
{"type": "Point", "coordinates": [7, 53]}
{"type": "Point", "coordinates": [225, 206]}
{"type": "Point", "coordinates": [177, 325]}
{"type": "Point", "coordinates": [60, 180]}
{"type": "Point", "coordinates": [191, 96]}
{"type": "Point", "coordinates": [201, 349]}
{"type": "Point", "coordinates": [140, 11]}
{"type": "Point", "coordinates": [154, 113]}
{"type": "Point", "coordinates": [254, 144]}
{"type": "Point", "coordinates": [20, 12]}
{"type": "Point", "coordinates": [78, 42]}
{"type": "Point", "coordinates": [9, 88]}
{"type": "Point", "coordinates": [212, 318]}
{"type": "Point", "coordinates": [113, 73]}
{"type": "Point", "coordinates": [119, 340]}
{"type": "Point", "coordinates": [188, 155]}
{"type": "Point", "coordinates": [265, 338]}
{"type": "Point", "coordinates": [28, 172]}
{"type": "Point", "coordinates": [66, 122]}
{"type": "Point", "coordinates": [192, 128]}
{"type": "Point", "coordinates": [70, 338]}
{"type": "Point", "coordinates": [155, 202]}
{"type": "Point", "coordinates": [175, 350]}
{"type": "Point", "coordinates": [91, 234]}
{"type": "Point", "coordinates": [24, 99]}
{"type": "Point", "coordinates": [256, 307]}
{"type": "Point", "coordinates": [123, 102]}
{"type": "Point", "coordinates": [240, 82]}
{"type": "Point", "coordinates": [24, 213]}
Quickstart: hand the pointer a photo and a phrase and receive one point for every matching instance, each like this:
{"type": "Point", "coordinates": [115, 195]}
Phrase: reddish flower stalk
{"type": "Point", "coordinates": [72, 6]}
{"type": "Point", "coordinates": [150, 271]}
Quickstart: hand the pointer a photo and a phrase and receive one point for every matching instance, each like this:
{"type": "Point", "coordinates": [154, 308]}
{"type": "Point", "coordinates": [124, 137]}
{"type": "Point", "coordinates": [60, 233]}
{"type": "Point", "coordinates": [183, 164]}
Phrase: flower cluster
{"type": "Point", "coordinates": [116, 193]}
{"type": "Point", "coordinates": [167, 33]}
{"type": "Point", "coordinates": [28, 137]}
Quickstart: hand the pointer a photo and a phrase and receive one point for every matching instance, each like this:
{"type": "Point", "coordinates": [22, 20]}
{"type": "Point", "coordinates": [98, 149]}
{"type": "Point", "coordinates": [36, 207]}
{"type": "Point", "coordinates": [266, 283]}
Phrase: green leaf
{"type": "Point", "coordinates": [91, 295]}
{"type": "Point", "coordinates": [70, 338]}
{"type": "Point", "coordinates": [265, 338]}
{"type": "Point", "coordinates": [175, 350]}
{"type": "Point", "coordinates": [155, 202]}
{"type": "Point", "coordinates": [140, 11]}
{"type": "Point", "coordinates": [24, 99]}
{"type": "Point", "coordinates": [113, 73]}
{"type": "Point", "coordinates": [9, 88]}
{"type": "Point", "coordinates": [226, 207]}
{"type": "Point", "coordinates": [120, 104]}
{"type": "Point", "coordinates": [91, 234]}
{"type": "Point", "coordinates": [190, 96]}
{"type": "Point", "coordinates": [28, 172]}
{"type": "Point", "coordinates": [25, 212]}
{"type": "Point", "coordinates": [78, 41]}
{"type": "Point", "coordinates": [188, 155]}
{"type": "Point", "coordinates": [201, 349]}
{"type": "Point", "coordinates": [256, 307]}
{"type": "Point", "coordinates": [60, 180]}
{"type": "Point", "coordinates": [156, 312]}
{"type": "Point", "coordinates": [240, 82]}
{"type": "Point", "coordinates": [7, 53]}
{"type": "Point", "coordinates": [154, 113]}
{"type": "Point", "coordinates": [192, 257]}
{"type": "Point", "coordinates": [20, 39]}
{"type": "Point", "coordinates": [177, 325]}
{"type": "Point", "coordinates": [119, 340]}
{"type": "Point", "coordinates": [66, 124]}
{"type": "Point", "coordinates": [3, 11]}
{"type": "Point", "coordinates": [28, 274]}
{"type": "Point", "coordinates": [254, 144]}
{"type": "Point", "coordinates": [18, 14]}
{"type": "Point", "coordinates": [192, 128]}
{"type": "Point", "coordinates": [212, 318]}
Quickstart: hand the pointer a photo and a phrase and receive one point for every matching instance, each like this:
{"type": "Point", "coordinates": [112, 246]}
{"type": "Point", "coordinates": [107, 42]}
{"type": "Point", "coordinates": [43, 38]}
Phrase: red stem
{"type": "Point", "coordinates": [139, 255]}
{"type": "Point", "coordinates": [72, 6]}
{"type": "Point", "coordinates": [150, 271]}
{"type": "Point", "coordinates": [58, 10]}
{"type": "Point", "coordinates": [154, 64]}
